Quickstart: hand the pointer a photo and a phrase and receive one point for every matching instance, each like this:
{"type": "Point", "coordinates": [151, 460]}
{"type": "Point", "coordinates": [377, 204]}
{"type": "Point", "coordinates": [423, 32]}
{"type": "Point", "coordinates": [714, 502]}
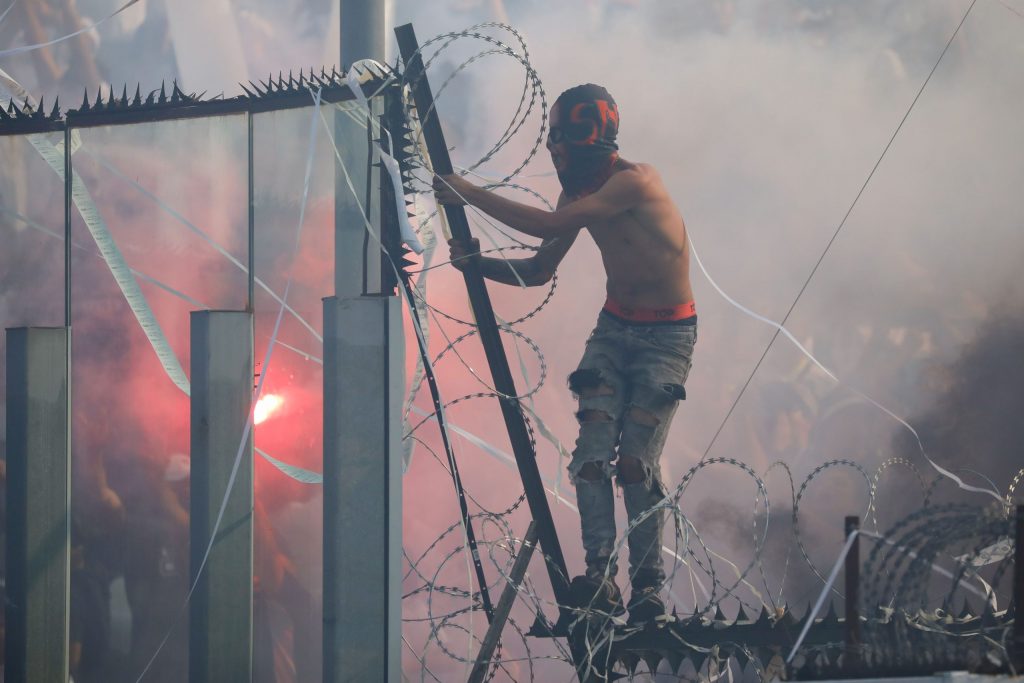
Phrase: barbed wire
{"type": "Point", "coordinates": [689, 549]}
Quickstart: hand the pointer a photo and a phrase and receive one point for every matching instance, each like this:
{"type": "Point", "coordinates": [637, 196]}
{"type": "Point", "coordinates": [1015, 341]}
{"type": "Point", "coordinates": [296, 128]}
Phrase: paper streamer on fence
{"type": "Point", "coordinates": [429, 244]}
{"type": "Point", "coordinates": [171, 211]}
{"type": "Point", "coordinates": [54, 157]}
{"type": "Point", "coordinates": [85, 29]}
{"type": "Point", "coordinates": [297, 473]}
{"type": "Point", "coordinates": [780, 328]}
{"type": "Point", "coordinates": [390, 163]}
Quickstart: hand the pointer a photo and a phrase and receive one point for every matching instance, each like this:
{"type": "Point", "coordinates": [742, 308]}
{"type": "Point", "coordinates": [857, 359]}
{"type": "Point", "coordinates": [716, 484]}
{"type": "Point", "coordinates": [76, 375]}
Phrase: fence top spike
{"type": "Point", "coordinates": [137, 100]}
{"type": "Point", "coordinates": [99, 97]}
{"type": "Point", "coordinates": [741, 615]}
{"type": "Point", "coordinates": [652, 659]}
{"type": "Point", "coordinates": [40, 111]}
{"type": "Point", "coordinates": [163, 92]}
{"type": "Point", "coordinates": [56, 108]}
{"type": "Point", "coordinates": [831, 614]}
{"type": "Point", "coordinates": [110, 97]}
{"type": "Point", "coordinates": [85, 99]}
{"type": "Point", "coordinates": [718, 613]}
{"type": "Point", "coordinates": [124, 94]}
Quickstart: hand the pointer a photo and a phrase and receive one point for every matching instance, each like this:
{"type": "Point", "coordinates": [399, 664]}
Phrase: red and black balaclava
{"type": "Point", "coordinates": [584, 125]}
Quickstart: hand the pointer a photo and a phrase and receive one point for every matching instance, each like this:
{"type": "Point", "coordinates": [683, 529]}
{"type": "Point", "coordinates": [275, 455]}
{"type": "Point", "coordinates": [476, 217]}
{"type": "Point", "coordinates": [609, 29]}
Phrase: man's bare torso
{"type": "Point", "coordinates": [645, 253]}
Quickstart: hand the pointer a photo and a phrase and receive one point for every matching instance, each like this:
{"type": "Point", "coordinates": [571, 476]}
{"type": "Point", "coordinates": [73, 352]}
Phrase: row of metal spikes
{"type": "Point", "coordinates": [264, 89]}
{"type": "Point", "coordinates": [306, 81]}
{"type": "Point", "coordinates": [667, 644]}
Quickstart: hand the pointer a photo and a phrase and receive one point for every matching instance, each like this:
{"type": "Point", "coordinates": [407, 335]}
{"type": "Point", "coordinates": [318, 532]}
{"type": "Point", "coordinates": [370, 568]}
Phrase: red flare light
{"type": "Point", "coordinates": [265, 407]}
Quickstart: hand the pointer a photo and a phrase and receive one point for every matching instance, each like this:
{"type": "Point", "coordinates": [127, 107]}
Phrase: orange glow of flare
{"type": "Point", "coordinates": [265, 407]}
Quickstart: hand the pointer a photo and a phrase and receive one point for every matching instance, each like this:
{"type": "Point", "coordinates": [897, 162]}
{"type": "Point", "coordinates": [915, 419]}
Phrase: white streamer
{"type": "Point", "coordinates": [390, 163]}
{"type": "Point", "coordinates": [115, 262]}
{"type": "Point", "coordinates": [824, 592]}
{"type": "Point", "coordinates": [86, 29]}
{"type": "Point", "coordinates": [941, 470]}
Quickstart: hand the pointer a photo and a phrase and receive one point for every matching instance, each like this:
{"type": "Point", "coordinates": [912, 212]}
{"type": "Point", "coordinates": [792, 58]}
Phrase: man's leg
{"type": "Point", "coordinates": [656, 373]}
{"type": "Point", "coordinates": [600, 400]}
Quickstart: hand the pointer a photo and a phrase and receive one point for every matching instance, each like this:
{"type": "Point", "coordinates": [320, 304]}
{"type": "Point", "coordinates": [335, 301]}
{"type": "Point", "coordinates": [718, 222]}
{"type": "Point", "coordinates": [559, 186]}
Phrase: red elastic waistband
{"type": "Point", "coordinates": [651, 315]}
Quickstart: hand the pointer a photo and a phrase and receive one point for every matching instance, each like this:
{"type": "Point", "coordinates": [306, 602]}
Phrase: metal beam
{"type": "Point", "coordinates": [508, 597]}
{"type": "Point", "coordinates": [1017, 645]}
{"type": "Point", "coordinates": [38, 505]}
{"type": "Point", "coordinates": [852, 593]}
{"type": "Point", "coordinates": [515, 423]}
{"type": "Point", "coordinates": [220, 611]}
{"type": "Point", "coordinates": [356, 255]}
{"type": "Point", "coordinates": [362, 31]}
{"type": "Point", "coordinates": [364, 377]}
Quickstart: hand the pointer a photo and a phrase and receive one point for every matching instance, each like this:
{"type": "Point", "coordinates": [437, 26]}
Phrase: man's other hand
{"type": "Point", "coordinates": [462, 254]}
{"type": "Point", "coordinates": [451, 189]}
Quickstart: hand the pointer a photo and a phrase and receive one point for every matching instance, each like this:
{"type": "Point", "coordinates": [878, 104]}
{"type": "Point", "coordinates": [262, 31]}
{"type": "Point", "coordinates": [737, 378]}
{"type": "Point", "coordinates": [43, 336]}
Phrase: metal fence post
{"type": "Point", "coordinates": [852, 590]}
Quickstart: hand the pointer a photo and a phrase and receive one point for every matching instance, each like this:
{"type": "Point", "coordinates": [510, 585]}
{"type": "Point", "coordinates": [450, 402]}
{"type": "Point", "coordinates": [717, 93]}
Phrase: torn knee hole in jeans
{"type": "Point", "coordinates": [588, 383]}
{"type": "Point", "coordinates": [642, 416]}
{"type": "Point", "coordinates": [631, 471]}
{"type": "Point", "coordinates": [591, 472]}
{"type": "Point", "coordinates": [591, 415]}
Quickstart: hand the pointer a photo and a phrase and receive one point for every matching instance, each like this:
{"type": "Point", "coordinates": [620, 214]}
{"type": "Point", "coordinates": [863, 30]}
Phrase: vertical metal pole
{"type": "Point", "coordinates": [363, 383]}
{"type": "Point", "coordinates": [220, 611]}
{"type": "Point", "coordinates": [364, 372]}
{"type": "Point", "coordinates": [38, 506]}
{"type": "Point", "coordinates": [1018, 591]}
{"type": "Point", "coordinates": [852, 589]}
{"type": "Point", "coordinates": [362, 31]}
{"type": "Point", "coordinates": [356, 260]}
{"type": "Point", "coordinates": [68, 187]}
{"type": "Point", "coordinates": [251, 304]}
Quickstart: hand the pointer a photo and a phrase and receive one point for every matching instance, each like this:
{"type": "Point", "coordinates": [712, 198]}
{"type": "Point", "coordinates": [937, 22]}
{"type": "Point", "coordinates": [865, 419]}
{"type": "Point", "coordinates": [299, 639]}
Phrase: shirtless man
{"type": "Point", "coordinates": [637, 358]}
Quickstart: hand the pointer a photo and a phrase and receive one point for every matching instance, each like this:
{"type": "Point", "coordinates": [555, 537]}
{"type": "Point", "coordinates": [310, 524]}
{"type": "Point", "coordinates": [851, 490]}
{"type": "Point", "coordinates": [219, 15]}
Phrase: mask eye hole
{"type": "Point", "coordinates": [556, 135]}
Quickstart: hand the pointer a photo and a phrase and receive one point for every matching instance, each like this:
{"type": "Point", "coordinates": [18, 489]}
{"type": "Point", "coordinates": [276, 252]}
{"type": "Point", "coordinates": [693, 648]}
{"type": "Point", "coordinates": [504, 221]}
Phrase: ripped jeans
{"type": "Point", "coordinates": [629, 384]}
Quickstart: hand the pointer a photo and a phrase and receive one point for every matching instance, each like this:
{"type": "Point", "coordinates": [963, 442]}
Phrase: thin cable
{"type": "Point", "coordinates": [831, 241]}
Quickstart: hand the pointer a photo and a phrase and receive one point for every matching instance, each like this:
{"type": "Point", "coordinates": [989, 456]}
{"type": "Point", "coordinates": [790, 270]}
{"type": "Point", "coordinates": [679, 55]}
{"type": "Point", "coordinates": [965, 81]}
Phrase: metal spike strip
{"type": "Point", "coordinates": [107, 107]}
{"type": "Point", "coordinates": [764, 639]}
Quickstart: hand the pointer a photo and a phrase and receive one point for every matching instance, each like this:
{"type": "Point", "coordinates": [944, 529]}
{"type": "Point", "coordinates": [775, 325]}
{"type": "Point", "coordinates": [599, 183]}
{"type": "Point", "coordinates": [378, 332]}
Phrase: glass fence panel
{"type": "Point", "coordinates": [160, 229]}
{"type": "Point", "coordinates": [32, 230]}
{"type": "Point", "coordinates": [294, 181]}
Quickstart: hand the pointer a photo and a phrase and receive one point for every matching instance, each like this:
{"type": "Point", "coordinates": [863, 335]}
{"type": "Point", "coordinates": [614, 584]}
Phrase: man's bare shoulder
{"type": "Point", "coordinates": [641, 177]}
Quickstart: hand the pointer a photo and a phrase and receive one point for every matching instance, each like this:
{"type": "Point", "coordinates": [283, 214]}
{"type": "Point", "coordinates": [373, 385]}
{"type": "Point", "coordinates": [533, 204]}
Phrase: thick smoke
{"type": "Point", "coordinates": [765, 119]}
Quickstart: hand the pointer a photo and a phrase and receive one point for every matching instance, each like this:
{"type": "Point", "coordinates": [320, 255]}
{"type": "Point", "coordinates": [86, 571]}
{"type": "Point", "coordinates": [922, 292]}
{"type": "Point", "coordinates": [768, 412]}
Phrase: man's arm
{"type": "Point", "coordinates": [622, 192]}
{"type": "Point", "coordinates": [533, 271]}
